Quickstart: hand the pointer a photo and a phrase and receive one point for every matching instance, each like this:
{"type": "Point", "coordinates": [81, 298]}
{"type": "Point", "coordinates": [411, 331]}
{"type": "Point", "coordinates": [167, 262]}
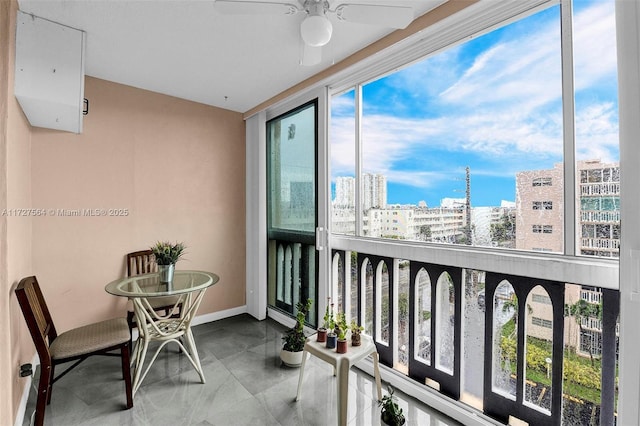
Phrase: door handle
{"type": "Point", "coordinates": [319, 236]}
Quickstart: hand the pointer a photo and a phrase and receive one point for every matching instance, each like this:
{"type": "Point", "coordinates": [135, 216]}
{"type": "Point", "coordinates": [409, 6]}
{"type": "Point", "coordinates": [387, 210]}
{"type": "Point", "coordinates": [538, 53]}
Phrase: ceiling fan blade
{"type": "Point", "coordinates": [230, 7]}
{"type": "Point", "coordinates": [387, 16]}
{"type": "Point", "coordinates": [310, 55]}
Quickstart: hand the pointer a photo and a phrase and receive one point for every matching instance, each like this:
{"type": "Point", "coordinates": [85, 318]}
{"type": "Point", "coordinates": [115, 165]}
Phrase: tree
{"type": "Point", "coordinates": [425, 232]}
{"type": "Point", "coordinates": [583, 309]}
{"type": "Point", "coordinates": [512, 303]}
{"type": "Point", "coordinates": [504, 232]}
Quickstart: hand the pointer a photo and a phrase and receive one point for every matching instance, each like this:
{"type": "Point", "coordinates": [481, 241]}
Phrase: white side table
{"type": "Point", "coordinates": [341, 364]}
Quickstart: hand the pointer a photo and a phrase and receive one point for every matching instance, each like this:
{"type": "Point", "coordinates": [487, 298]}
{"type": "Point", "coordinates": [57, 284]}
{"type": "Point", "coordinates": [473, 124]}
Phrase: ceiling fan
{"type": "Point", "coordinates": [316, 28]}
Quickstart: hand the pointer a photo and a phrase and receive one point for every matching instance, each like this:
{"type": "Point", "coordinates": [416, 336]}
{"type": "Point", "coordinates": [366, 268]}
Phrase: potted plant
{"type": "Point", "coordinates": [341, 347]}
{"type": "Point", "coordinates": [322, 331]}
{"type": "Point", "coordinates": [391, 414]}
{"type": "Point", "coordinates": [167, 254]}
{"type": "Point", "coordinates": [294, 339]}
{"type": "Point", "coordinates": [332, 336]}
{"type": "Point", "coordinates": [355, 333]}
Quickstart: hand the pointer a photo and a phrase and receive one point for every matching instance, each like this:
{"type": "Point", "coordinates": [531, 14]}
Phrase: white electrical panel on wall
{"type": "Point", "coordinates": [49, 74]}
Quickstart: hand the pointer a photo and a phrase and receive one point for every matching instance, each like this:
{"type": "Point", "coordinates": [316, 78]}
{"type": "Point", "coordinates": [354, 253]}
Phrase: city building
{"type": "Point", "coordinates": [374, 191]}
{"type": "Point", "coordinates": [345, 192]}
{"type": "Point", "coordinates": [599, 201]}
{"type": "Point", "coordinates": [494, 226]}
{"type": "Point", "coordinates": [539, 207]}
{"type": "Point", "coordinates": [540, 195]}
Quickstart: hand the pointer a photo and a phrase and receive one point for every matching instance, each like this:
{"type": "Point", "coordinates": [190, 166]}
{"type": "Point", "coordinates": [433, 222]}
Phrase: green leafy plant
{"type": "Point", "coordinates": [342, 326]}
{"type": "Point", "coordinates": [294, 339]}
{"type": "Point", "coordinates": [355, 328]}
{"type": "Point", "coordinates": [167, 253]}
{"type": "Point", "coordinates": [328, 315]}
{"type": "Point", "coordinates": [391, 413]}
{"type": "Point", "coordinates": [331, 323]}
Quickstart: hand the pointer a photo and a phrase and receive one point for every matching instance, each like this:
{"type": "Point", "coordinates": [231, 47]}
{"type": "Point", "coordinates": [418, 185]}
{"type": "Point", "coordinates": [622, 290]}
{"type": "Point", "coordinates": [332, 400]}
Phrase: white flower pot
{"type": "Point", "coordinates": [291, 359]}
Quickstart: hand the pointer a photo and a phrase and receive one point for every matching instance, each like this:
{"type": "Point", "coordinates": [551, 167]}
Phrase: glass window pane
{"type": "Point", "coordinates": [338, 280]}
{"type": "Point", "coordinates": [596, 123]}
{"type": "Point", "coordinates": [367, 283]}
{"type": "Point", "coordinates": [342, 137]}
{"type": "Point", "coordinates": [292, 171]}
{"type": "Point", "coordinates": [383, 304]}
{"type": "Point", "coordinates": [505, 332]}
{"type": "Point", "coordinates": [582, 355]}
{"type": "Point", "coordinates": [444, 139]}
{"type": "Point", "coordinates": [353, 271]}
{"type": "Point", "coordinates": [538, 349]}
{"type": "Point", "coordinates": [445, 311]}
{"type": "Point", "coordinates": [423, 317]}
{"type": "Point", "coordinates": [473, 338]}
{"type": "Point", "coordinates": [403, 316]}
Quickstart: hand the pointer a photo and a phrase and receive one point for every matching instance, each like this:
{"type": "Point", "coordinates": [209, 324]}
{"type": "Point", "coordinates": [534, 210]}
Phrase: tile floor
{"type": "Point", "coordinates": [246, 384]}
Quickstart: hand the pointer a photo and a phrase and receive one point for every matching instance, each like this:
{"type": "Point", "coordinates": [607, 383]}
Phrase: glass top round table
{"type": "Point", "coordinates": [149, 285]}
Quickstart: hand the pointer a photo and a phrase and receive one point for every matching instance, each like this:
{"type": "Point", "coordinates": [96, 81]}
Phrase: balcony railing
{"type": "Point", "coordinates": [600, 243]}
{"type": "Point", "coordinates": [591, 296]}
{"type": "Point", "coordinates": [469, 334]}
{"type": "Point", "coordinates": [600, 188]}
{"type": "Point", "coordinates": [591, 323]}
{"type": "Point", "coordinates": [612, 216]}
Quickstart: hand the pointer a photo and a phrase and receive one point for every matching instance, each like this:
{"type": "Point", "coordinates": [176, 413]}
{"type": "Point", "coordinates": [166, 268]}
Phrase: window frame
{"type": "Point", "coordinates": [465, 28]}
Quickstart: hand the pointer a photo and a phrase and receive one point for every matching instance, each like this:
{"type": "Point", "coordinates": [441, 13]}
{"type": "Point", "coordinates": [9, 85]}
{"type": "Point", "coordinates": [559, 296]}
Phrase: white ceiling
{"type": "Point", "coordinates": [186, 49]}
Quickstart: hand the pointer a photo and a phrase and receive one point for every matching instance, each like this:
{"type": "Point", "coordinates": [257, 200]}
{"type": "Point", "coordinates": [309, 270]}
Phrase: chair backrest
{"type": "Point", "coordinates": [141, 262]}
{"type": "Point", "coordinates": [37, 315]}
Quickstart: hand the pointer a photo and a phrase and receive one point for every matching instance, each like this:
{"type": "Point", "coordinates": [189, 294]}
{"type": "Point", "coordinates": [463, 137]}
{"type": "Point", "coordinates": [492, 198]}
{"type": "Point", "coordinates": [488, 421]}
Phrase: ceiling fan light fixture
{"type": "Point", "coordinates": [316, 30]}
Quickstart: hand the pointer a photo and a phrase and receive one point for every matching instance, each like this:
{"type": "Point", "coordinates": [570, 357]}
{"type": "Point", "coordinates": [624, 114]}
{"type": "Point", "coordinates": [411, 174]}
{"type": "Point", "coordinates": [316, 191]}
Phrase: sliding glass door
{"type": "Point", "coordinates": [292, 206]}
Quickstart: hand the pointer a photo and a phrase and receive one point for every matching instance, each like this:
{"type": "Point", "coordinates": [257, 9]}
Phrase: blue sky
{"type": "Point", "coordinates": [492, 103]}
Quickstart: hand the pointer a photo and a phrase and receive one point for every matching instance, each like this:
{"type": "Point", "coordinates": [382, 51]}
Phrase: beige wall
{"type": "Point", "coordinates": [175, 166]}
{"type": "Point", "coordinates": [15, 232]}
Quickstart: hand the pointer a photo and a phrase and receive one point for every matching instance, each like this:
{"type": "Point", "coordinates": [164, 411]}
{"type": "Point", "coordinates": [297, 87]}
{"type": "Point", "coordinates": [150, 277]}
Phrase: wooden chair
{"type": "Point", "coordinates": [101, 338]}
{"type": "Point", "coordinates": [143, 262]}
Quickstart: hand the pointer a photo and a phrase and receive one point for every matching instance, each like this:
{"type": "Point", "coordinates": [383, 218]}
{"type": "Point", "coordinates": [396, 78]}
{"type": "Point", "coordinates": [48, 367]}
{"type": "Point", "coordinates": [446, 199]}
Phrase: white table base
{"type": "Point", "coordinates": [163, 328]}
{"type": "Point", "coordinates": [341, 364]}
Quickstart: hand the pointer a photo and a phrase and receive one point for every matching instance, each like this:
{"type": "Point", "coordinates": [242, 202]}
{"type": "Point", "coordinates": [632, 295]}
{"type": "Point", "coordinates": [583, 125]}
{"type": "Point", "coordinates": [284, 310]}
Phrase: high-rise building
{"type": "Point", "coordinates": [345, 192]}
{"type": "Point", "coordinates": [374, 191]}
{"type": "Point", "coordinates": [539, 207]}
{"type": "Point", "coordinates": [599, 192]}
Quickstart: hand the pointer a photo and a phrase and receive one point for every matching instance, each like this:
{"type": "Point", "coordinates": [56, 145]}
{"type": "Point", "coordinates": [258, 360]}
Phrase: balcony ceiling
{"type": "Point", "coordinates": [186, 49]}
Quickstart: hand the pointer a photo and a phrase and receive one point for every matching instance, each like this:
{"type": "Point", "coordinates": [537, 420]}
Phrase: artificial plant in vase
{"type": "Point", "coordinates": [294, 339]}
{"type": "Point", "coordinates": [341, 322]}
{"type": "Point", "coordinates": [166, 255]}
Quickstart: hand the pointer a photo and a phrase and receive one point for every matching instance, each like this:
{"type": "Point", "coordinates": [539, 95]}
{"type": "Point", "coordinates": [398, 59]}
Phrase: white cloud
{"type": "Point", "coordinates": [504, 108]}
{"type": "Point", "coordinates": [594, 44]}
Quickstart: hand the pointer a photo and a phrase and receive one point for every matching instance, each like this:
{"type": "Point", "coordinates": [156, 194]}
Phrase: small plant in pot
{"type": "Point", "coordinates": [342, 333]}
{"type": "Point", "coordinates": [356, 331]}
{"type": "Point", "coordinates": [166, 255]}
{"type": "Point", "coordinates": [322, 331]}
{"type": "Point", "coordinates": [332, 336]}
{"type": "Point", "coordinates": [294, 339]}
{"type": "Point", "coordinates": [391, 414]}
